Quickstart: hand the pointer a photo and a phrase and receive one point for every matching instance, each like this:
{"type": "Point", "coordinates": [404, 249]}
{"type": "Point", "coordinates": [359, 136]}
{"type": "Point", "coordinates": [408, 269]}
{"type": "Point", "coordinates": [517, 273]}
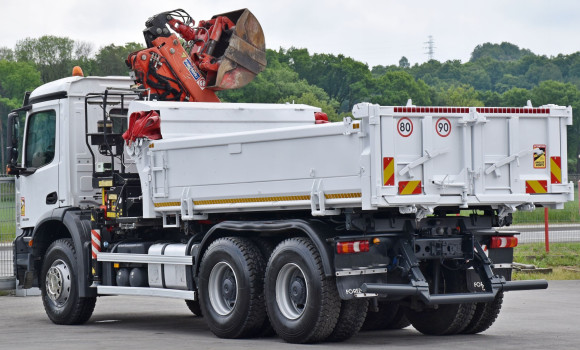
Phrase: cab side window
{"type": "Point", "coordinates": [40, 139]}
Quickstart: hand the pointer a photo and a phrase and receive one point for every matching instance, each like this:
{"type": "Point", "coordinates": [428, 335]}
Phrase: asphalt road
{"type": "Point", "coordinates": [545, 319]}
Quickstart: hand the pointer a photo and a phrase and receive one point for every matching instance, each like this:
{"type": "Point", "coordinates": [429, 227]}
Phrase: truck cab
{"type": "Point", "coordinates": [56, 162]}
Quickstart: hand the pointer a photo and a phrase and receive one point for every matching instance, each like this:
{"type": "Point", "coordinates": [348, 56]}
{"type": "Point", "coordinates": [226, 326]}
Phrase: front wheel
{"type": "Point", "coordinates": [59, 289]}
{"type": "Point", "coordinates": [303, 304]}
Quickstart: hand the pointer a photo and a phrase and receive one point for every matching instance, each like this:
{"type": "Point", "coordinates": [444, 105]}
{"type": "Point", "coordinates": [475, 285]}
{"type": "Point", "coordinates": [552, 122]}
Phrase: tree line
{"type": "Point", "coordinates": [496, 75]}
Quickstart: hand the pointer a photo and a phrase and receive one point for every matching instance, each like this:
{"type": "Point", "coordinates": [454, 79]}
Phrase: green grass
{"type": "Point", "coordinates": [561, 255]}
{"type": "Point", "coordinates": [7, 221]}
{"type": "Point", "coordinates": [568, 214]}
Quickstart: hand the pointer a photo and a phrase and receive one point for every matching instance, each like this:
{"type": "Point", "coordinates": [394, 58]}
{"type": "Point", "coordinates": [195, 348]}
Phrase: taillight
{"type": "Point", "coordinates": [352, 247]}
{"type": "Point", "coordinates": [504, 242]}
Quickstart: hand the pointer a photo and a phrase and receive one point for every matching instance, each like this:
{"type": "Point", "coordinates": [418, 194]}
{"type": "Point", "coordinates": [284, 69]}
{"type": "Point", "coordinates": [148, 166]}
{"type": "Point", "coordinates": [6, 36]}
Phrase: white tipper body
{"type": "Point", "coordinates": [219, 158]}
{"type": "Point", "coordinates": [226, 157]}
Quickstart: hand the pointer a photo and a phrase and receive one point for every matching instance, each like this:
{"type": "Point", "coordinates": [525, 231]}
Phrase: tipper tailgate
{"type": "Point", "coordinates": [467, 156]}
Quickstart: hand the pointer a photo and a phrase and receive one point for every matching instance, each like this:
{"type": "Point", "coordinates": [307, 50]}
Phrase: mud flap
{"type": "Point", "coordinates": [474, 283]}
{"type": "Point", "coordinates": [350, 286]}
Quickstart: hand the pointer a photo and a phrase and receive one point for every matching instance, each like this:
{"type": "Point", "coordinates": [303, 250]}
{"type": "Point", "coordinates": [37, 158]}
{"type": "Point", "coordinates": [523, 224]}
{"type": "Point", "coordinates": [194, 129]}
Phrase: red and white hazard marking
{"type": "Point", "coordinates": [95, 243]}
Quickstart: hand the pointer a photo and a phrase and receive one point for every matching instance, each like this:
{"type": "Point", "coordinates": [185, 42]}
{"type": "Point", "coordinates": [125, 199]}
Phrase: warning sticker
{"type": "Point", "coordinates": [196, 75]}
{"type": "Point", "coordinates": [22, 206]}
{"type": "Point", "coordinates": [539, 156]}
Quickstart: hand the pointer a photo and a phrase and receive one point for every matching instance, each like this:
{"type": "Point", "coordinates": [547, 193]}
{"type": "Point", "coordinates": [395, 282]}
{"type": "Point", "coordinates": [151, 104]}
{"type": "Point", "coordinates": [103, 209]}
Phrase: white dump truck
{"type": "Point", "coordinates": [267, 218]}
{"type": "Point", "coordinates": [243, 208]}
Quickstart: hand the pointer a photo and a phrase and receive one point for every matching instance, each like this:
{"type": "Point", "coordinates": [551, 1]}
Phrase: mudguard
{"type": "Point", "coordinates": [77, 223]}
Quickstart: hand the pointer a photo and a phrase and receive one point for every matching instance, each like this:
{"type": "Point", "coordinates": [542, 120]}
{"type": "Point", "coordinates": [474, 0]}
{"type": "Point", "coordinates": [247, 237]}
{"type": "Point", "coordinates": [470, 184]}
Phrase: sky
{"type": "Point", "coordinates": [377, 32]}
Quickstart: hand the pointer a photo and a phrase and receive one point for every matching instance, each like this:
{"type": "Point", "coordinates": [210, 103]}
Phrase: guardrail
{"type": "Point", "coordinates": [7, 230]}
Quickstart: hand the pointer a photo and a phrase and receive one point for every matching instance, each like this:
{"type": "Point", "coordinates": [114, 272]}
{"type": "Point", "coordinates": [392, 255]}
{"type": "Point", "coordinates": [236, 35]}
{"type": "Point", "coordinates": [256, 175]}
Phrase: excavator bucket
{"type": "Point", "coordinates": [243, 55]}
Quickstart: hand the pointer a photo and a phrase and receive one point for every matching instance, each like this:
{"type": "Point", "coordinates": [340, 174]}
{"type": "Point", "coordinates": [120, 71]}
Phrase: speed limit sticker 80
{"type": "Point", "coordinates": [443, 127]}
{"type": "Point", "coordinates": [405, 127]}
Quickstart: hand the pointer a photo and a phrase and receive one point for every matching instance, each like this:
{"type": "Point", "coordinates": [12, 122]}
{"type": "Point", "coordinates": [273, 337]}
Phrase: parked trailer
{"type": "Point", "coordinates": [264, 219]}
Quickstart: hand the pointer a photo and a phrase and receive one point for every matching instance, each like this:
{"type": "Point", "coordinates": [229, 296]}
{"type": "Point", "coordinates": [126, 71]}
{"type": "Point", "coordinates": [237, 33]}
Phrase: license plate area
{"type": "Point", "coordinates": [447, 248]}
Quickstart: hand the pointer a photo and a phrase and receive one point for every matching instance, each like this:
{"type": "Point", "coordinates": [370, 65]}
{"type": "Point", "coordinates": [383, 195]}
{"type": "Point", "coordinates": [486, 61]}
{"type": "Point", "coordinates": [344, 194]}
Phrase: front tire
{"type": "Point", "coordinates": [231, 288]}
{"type": "Point", "coordinates": [59, 288]}
{"type": "Point", "coordinates": [303, 304]}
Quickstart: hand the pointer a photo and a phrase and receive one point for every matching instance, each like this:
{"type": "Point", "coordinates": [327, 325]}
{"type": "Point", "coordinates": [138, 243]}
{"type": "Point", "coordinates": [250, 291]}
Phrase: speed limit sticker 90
{"type": "Point", "coordinates": [405, 127]}
{"type": "Point", "coordinates": [443, 127]}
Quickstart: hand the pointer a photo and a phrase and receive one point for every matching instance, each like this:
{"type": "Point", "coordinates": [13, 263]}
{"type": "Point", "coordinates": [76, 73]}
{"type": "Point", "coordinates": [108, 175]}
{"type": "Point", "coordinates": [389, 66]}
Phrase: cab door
{"type": "Point", "coordinates": [38, 190]}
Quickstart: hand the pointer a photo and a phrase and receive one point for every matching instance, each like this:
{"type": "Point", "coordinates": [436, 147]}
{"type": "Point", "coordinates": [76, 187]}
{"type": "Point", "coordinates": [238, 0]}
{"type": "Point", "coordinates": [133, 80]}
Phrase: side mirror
{"type": "Point", "coordinates": [12, 144]}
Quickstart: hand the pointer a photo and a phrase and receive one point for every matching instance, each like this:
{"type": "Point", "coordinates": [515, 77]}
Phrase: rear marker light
{"type": "Point", "coordinates": [504, 242]}
{"type": "Point", "coordinates": [352, 247]}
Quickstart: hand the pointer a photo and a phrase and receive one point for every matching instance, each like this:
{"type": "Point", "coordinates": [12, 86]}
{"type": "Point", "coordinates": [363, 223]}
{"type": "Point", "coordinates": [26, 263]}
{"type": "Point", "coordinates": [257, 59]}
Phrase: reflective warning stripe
{"type": "Point", "coordinates": [260, 199]}
{"type": "Point", "coordinates": [388, 171]}
{"type": "Point", "coordinates": [96, 243]}
{"type": "Point", "coordinates": [342, 195]}
{"type": "Point", "coordinates": [409, 187]}
{"type": "Point", "coordinates": [556, 170]}
{"type": "Point", "coordinates": [536, 186]}
{"type": "Point", "coordinates": [167, 204]}
{"type": "Point", "coordinates": [252, 200]}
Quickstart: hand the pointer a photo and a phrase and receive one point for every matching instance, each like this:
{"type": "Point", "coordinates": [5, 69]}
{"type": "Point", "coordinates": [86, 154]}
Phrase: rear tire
{"type": "Point", "coordinates": [446, 319]}
{"type": "Point", "coordinates": [303, 304]}
{"type": "Point", "coordinates": [390, 316]}
{"type": "Point", "coordinates": [231, 288]}
{"type": "Point", "coordinates": [485, 315]}
{"type": "Point", "coordinates": [350, 320]}
{"type": "Point", "coordinates": [59, 288]}
{"type": "Point", "coordinates": [266, 247]}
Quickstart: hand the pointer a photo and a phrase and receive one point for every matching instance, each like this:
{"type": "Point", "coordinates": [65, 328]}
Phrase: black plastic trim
{"type": "Point", "coordinates": [47, 97]}
{"type": "Point", "coordinates": [313, 229]}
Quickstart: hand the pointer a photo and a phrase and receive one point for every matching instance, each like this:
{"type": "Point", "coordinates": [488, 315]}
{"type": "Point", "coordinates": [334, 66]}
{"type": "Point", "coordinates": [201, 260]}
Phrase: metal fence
{"type": "Point", "coordinates": [7, 225]}
{"type": "Point", "coordinates": [535, 233]}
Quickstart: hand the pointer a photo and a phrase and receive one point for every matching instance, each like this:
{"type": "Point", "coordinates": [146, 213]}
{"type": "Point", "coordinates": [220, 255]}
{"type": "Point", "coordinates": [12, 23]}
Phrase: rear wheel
{"type": "Point", "coordinates": [390, 316]}
{"type": "Point", "coordinates": [444, 319]}
{"type": "Point", "coordinates": [303, 304]}
{"type": "Point", "coordinates": [350, 320]}
{"type": "Point", "coordinates": [231, 288]}
{"type": "Point", "coordinates": [60, 294]}
{"type": "Point", "coordinates": [485, 315]}
{"type": "Point", "coordinates": [266, 247]}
